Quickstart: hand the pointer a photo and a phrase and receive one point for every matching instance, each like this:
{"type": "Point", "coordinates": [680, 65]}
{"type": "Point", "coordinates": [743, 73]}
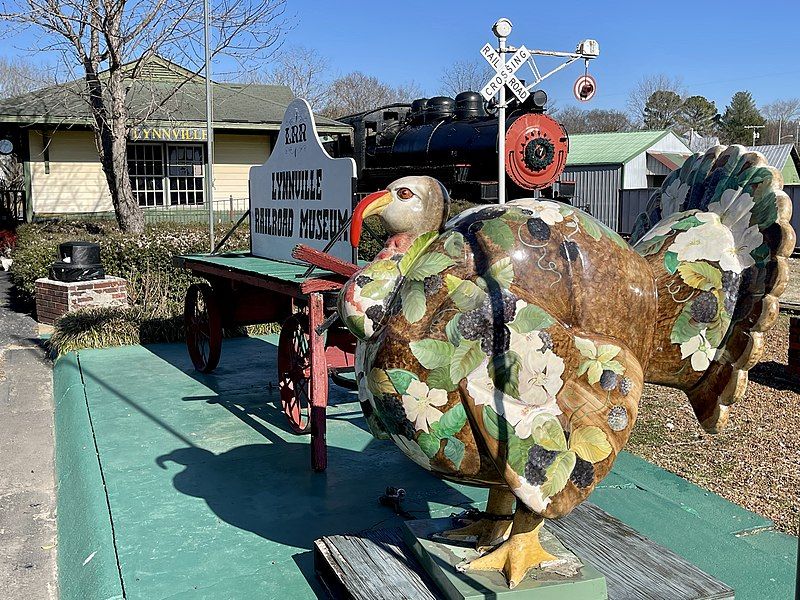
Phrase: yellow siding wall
{"type": "Point", "coordinates": [76, 182]}
{"type": "Point", "coordinates": [233, 157]}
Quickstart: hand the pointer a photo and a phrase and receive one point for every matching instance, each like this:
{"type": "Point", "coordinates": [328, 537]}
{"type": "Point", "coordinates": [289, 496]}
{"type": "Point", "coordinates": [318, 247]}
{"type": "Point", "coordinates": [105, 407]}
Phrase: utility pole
{"type": "Point", "coordinates": [755, 129]}
{"type": "Point", "coordinates": [209, 179]}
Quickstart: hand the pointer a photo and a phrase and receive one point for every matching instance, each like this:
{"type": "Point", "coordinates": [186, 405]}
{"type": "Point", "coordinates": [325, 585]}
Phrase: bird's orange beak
{"type": "Point", "coordinates": [371, 205]}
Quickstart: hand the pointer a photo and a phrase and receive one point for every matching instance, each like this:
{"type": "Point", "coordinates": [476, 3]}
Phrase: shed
{"type": "Point", "coordinates": [602, 164]}
{"type": "Point", "coordinates": [783, 157]}
{"type": "Point", "coordinates": [50, 131]}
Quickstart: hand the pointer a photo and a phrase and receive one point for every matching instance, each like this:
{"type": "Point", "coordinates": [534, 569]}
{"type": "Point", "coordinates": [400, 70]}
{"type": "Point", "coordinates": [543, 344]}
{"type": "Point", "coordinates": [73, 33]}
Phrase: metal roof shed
{"type": "Point", "coordinates": [602, 164]}
{"type": "Point", "coordinates": [783, 157]}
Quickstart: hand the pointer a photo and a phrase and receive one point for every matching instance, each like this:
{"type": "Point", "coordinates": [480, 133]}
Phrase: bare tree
{"type": "Point", "coordinates": [108, 43]}
{"type": "Point", "coordinates": [598, 120]}
{"type": "Point", "coordinates": [304, 70]}
{"type": "Point", "coordinates": [783, 118]}
{"type": "Point", "coordinates": [357, 92]}
{"type": "Point", "coordinates": [18, 76]}
{"type": "Point", "coordinates": [645, 88]}
{"type": "Point", "coordinates": [465, 76]}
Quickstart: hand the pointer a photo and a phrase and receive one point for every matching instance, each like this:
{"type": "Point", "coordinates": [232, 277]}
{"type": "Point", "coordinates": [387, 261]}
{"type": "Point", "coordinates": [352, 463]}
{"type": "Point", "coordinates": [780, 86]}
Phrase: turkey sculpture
{"type": "Point", "coordinates": [507, 347]}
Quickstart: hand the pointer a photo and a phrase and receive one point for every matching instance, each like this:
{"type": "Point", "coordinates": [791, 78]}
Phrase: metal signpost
{"type": "Point", "coordinates": [505, 77]}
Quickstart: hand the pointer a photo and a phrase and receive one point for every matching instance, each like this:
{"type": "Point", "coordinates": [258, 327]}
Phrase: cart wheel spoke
{"type": "Point", "coordinates": [203, 320]}
{"type": "Point", "coordinates": [294, 368]}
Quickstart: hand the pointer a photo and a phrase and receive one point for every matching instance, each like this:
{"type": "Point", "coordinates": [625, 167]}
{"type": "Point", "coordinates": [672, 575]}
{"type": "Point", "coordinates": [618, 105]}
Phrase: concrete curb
{"type": "Point", "coordinates": [87, 557]}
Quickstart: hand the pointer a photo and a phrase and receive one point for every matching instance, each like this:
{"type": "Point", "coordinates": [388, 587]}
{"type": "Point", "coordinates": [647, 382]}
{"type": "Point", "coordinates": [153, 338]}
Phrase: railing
{"type": "Point", "coordinates": [226, 212]}
{"type": "Point", "coordinates": [12, 206]}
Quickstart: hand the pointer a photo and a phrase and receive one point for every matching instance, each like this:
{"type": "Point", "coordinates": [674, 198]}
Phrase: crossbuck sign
{"type": "Point", "coordinates": [505, 73]}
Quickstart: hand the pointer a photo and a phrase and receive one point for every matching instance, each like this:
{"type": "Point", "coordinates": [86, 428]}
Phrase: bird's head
{"type": "Point", "coordinates": [409, 206]}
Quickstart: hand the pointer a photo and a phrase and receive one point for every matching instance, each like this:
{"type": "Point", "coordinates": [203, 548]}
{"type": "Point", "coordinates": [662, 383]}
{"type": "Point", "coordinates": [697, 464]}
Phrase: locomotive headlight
{"type": "Point", "coordinates": [502, 28]}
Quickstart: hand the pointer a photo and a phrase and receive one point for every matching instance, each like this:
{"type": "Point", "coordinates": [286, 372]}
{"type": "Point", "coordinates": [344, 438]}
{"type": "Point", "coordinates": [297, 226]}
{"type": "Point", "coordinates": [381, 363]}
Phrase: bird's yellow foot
{"type": "Point", "coordinates": [484, 533]}
{"type": "Point", "coordinates": [519, 554]}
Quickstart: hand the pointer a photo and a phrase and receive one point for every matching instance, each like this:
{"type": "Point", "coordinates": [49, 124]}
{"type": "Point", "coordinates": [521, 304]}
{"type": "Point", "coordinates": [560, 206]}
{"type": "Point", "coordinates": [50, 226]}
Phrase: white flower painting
{"type": "Point", "coordinates": [421, 404]}
{"type": "Point", "coordinates": [700, 351]}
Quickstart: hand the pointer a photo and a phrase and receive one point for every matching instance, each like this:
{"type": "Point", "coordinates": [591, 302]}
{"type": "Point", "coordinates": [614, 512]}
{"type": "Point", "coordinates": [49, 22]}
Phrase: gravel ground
{"type": "Point", "coordinates": [755, 461]}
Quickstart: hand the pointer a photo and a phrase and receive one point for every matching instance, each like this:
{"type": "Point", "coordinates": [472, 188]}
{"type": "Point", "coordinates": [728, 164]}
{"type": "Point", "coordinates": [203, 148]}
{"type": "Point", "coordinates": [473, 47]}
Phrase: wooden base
{"type": "Point", "coordinates": [378, 565]}
{"type": "Point", "coordinates": [566, 576]}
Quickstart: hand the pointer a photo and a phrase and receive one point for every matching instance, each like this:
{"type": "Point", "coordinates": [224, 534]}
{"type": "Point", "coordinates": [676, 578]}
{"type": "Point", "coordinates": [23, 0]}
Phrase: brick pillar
{"type": "Point", "coordinates": [56, 298]}
{"type": "Point", "coordinates": [794, 345]}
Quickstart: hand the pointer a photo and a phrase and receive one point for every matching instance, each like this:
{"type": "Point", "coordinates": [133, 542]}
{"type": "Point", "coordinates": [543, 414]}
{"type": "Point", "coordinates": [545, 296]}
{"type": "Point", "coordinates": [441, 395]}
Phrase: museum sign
{"type": "Point", "coordinates": [300, 195]}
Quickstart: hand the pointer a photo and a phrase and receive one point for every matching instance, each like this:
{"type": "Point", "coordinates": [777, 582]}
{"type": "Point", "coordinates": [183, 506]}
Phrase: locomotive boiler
{"type": "Point", "coordinates": [455, 141]}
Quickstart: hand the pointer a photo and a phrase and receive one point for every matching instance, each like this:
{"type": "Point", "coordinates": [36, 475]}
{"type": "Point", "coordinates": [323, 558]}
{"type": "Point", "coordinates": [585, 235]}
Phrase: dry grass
{"type": "Point", "coordinates": [755, 461]}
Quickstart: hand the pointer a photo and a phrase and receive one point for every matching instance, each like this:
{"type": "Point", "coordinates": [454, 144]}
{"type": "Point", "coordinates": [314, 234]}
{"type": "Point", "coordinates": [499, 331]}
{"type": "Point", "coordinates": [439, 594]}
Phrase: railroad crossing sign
{"type": "Point", "coordinates": [505, 73]}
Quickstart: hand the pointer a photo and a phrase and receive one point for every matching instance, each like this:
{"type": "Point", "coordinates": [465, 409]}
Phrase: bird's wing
{"type": "Point", "coordinates": [577, 404]}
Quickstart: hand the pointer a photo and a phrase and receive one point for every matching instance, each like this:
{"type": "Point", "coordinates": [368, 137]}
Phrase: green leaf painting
{"type": "Point", "coordinates": [454, 245]}
{"type": "Point", "coordinates": [412, 295]}
{"type": "Point", "coordinates": [466, 358]}
{"type": "Point", "coordinates": [531, 318]}
{"type": "Point", "coordinates": [504, 371]}
{"type": "Point", "coordinates": [378, 289]}
{"type": "Point", "coordinates": [590, 226]}
{"type": "Point", "coordinates": [400, 379]}
{"type": "Point", "coordinates": [454, 450]}
{"type": "Point", "coordinates": [558, 473]}
{"type": "Point", "coordinates": [356, 324]}
{"type": "Point", "coordinates": [684, 328]}
{"type": "Point", "coordinates": [498, 231]}
{"type": "Point", "coordinates": [547, 432]}
{"type": "Point", "coordinates": [417, 248]}
{"type": "Point", "coordinates": [429, 443]}
{"type": "Point", "coordinates": [432, 353]}
{"type": "Point", "coordinates": [502, 272]}
{"type": "Point", "coordinates": [687, 223]}
{"type": "Point", "coordinates": [700, 275]}
{"type": "Point", "coordinates": [439, 379]}
{"type": "Point", "coordinates": [451, 330]}
{"type": "Point", "coordinates": [451, 422]}
{"type": "Point", "coordinates": [518, 452]}
{"type": "Point", "coordinates": [671, 262]}
{"type": "Point", "coordinates": [466, 295]}
{"type": "Point", "coordinates": [651, 246]}
{"type": "Point", "coordinates": [429, 264]}
{"type": "Point", "coordinates": [590, 443]}
{"type": "Point", "coordinates": [496, 425]}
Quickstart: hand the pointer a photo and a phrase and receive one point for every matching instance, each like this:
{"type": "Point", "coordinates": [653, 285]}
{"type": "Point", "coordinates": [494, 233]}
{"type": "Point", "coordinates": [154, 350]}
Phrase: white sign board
{"type": "Point", "coordinates": [300, 195]}
{"type": "Point", "coordinates": [505, 73]}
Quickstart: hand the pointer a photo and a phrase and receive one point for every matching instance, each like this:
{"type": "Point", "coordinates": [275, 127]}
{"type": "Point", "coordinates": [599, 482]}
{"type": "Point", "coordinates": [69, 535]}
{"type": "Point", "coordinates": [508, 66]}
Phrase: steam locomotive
{"type": "Point", "coordinates": [455, 140]}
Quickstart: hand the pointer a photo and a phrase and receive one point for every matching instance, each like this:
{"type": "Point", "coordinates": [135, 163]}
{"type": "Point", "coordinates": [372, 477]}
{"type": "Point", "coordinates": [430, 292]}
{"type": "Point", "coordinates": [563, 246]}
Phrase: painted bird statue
{"type": "Point", "coordinates": [508, 346]}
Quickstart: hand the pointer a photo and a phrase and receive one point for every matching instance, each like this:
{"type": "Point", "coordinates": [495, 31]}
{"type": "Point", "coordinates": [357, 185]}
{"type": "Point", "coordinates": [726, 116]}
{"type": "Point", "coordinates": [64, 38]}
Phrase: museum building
{"type": "Point", "coordinates": [49, 131]}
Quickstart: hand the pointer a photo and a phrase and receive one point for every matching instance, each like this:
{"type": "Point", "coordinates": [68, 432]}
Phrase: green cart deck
{"type": "Point", "coordinates": [173, 484]}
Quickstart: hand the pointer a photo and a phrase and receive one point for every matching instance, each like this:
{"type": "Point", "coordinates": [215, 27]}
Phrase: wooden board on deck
{"type": "Point", "coordinates": [378, 565]}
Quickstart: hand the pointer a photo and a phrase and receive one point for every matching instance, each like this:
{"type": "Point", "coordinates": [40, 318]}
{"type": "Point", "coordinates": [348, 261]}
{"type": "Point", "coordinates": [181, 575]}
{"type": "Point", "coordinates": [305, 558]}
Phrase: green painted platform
{"type": "Point", "coordinates": [177, 485]}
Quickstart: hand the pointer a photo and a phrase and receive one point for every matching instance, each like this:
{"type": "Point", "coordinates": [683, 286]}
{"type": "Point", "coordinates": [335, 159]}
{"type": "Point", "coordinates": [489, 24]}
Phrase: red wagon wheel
{"type": "Point", "coordinates": [203, 320]}
{"type": "Point", "coordinates": [294, 372]}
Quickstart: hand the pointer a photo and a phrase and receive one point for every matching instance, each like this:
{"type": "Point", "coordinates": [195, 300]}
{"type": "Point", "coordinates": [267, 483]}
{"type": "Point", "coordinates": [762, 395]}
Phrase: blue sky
{"type": "Point", "coordinates": [715, 48]}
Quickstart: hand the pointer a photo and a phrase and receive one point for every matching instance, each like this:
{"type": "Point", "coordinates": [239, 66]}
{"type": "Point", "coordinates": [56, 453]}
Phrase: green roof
{"type": "Point", "coordinates": [236, 105]}
{"type": "Point", "coordinates": [610, 148]}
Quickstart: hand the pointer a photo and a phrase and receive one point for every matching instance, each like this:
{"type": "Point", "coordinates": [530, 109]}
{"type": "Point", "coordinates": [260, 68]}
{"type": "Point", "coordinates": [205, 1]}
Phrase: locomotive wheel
{"type": "Point", "coordinates": [201, 315]}
{"type": "Point", "coordinates": [294, 372]}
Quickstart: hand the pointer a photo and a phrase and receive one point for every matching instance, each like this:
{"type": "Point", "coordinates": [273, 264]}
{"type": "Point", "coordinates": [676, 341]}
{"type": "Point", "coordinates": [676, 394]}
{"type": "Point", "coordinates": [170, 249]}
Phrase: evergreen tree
{"type": "Point", "coordinates": [740, 114]}
{"type": "Point", "coordinates": [662, 109]}
{"type": "Point", "coordinates": [698, 113]}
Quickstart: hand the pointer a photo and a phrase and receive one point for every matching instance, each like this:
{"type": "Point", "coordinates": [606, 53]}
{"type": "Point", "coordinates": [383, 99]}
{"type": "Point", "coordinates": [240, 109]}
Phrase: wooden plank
{"type": "Point", "coordinates": [318, 384]}
{"type": "Point", "coordinates": [375, 565]}
{"type": "Point", "coordinates": [634, 566]}
{"type": "Point", "coordinates": [378, 565]}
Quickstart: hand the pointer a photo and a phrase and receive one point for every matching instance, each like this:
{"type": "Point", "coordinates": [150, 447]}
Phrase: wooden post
{"type": "Point", "coordinates": [318, 384]}
{"type": "Point", "coordinates": [794, 345]}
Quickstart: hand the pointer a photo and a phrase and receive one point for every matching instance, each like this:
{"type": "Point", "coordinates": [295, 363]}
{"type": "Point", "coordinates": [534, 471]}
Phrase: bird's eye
{"type": "Point", "coordinates": [404, 193]}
